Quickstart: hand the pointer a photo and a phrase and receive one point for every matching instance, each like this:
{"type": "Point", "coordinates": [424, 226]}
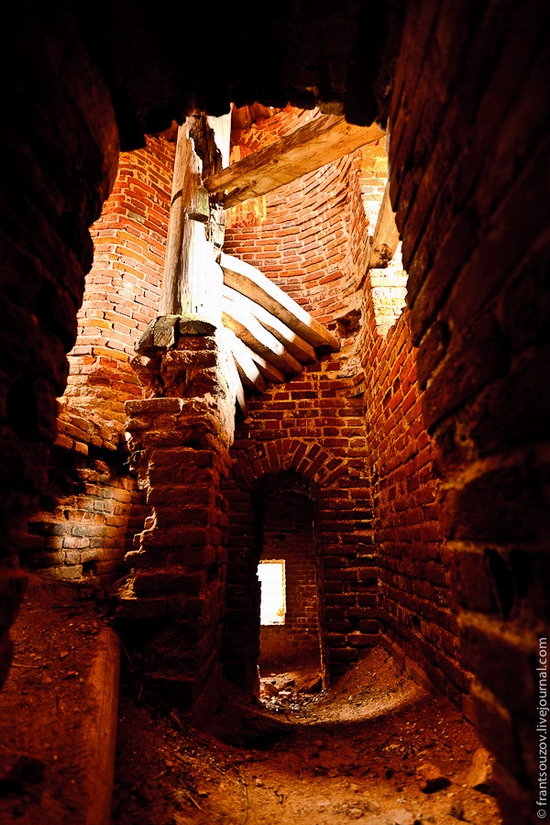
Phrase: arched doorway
{"type": "Point", "coordinates": [292, 658]}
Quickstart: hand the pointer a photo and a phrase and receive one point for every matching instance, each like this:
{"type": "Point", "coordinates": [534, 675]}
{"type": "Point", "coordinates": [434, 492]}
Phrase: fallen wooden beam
{"type": "Point", "coordinates": [99, 726]}
{"type": "Point", "coordinates": [324, 139]}
{"type": "Point", "coordinates": [297, 347]}
{"type": "Point", "coordinates": [386, 235]}
{"type": "Point", "coordinates": [255, 336]}
{"type": "Point", "coordinates": [250, 282]}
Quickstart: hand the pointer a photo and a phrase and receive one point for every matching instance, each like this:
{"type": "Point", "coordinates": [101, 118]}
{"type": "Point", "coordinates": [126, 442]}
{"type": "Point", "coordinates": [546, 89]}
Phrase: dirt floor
{"type": "Point", "coordinates": [375, 749]}
{"type": "Point", "coordinates": [46, 704]}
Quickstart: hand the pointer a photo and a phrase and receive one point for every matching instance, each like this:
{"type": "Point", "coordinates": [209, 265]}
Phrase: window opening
{"type": "Point", "coordinates": [272, 598]}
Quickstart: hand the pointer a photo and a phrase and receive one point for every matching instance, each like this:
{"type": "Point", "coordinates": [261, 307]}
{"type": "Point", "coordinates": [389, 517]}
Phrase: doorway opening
{"type": "Point", "coordinates": [272, 592]}
{"type": "Point", "coordinates": [292, 660]}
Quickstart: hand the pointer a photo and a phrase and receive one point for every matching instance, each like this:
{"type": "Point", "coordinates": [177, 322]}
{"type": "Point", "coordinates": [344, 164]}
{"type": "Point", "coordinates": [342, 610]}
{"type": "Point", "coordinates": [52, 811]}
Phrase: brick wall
{"type": "Point", "coordinates": [288, 533]}
{"type": "Point", "coordinates": [469, 159]}
{"type": "Point", "coordinates": [312, 243]}
{"type": "Point", "coordinates": [58, 170]}
{"type": "Point", "coordinates": [381, 510]}
{"type": "Point", "coordinates": [86, 521]}
{"type": "Point", "coordinates": [417, 610]}
{"type": "Point", "coordinates": [123, 288]}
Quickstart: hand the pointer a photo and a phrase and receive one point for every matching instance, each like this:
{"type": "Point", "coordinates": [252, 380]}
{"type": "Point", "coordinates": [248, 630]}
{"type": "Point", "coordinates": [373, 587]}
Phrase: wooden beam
{"type": "Point", "coordinates": [269, 372]}
{"type": "Point", "coordinates": [297, 347]}
{"type": "Point", "coordinates": [244, 355]}
{"type": "Point", "coordinates": [192, 279]}
{"type": "Point", "coordinates": [225, 342]}
{"type": "Point", "coordinates": [255, 336]}
{"type": "Point", "coordinates": [250, 282]}
{"type": "Point", "coordinates": [248, 370]}
{"type": "Point", "coordinates": [185, 180]}
{"type": "Point", "coordinates": [386, 235]}
{"type": "Point", "coordinates": [324, 139]}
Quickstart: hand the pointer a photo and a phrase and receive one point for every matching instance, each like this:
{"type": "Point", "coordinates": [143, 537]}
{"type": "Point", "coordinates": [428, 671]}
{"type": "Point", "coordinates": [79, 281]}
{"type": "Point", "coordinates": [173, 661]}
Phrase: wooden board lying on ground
{"type": "Point", "coordinates": [324, 139]}
{"type": "Point", "coordinates": [259, 339]}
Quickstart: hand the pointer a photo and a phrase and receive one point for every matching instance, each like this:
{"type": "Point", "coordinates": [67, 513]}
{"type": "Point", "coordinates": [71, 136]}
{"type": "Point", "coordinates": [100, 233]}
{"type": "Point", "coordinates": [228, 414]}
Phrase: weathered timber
{"type": "Point", "coordinates": [185, 182]}
{"type": "Point", "coordinates": [297, 347]}
{"type": "Point", "coordinates": [386, 235]}
{"type": "Point", "coordinates": [99, 728]}
{"type": "Point", "coordinates": [321, 141]}
{"type": "Point", "coordinates": [164, 331]}
{"type": "Point", "coordinates": [192, 279]}
{"type": "Point", "coordinates": [248, 370]}
{"type": "Point", "coordinates": [269, 372]}
{"type": "Point", "coordinates": [195, 326]}
{"type": "Point", "coordinates": [255, 336]}
{"type": "Point", "coordinates": [225, 339]}
{"type": "Point", "coordinates": [250, 282]}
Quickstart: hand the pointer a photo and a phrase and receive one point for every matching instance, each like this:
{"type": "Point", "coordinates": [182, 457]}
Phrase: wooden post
{"type": "Point", "coordinates": [192, 278]}
{"type": "Point", "coordinates": [182, 185]}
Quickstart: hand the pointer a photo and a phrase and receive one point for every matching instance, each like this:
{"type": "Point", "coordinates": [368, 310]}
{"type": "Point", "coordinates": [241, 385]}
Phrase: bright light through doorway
{"type": "Point", "coordinates": [272, 603]}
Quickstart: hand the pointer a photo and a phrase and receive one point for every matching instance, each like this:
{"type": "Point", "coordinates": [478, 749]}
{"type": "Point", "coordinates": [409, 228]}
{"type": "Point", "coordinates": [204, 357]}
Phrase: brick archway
{"type": "Point", "coordinates": [307, 459]}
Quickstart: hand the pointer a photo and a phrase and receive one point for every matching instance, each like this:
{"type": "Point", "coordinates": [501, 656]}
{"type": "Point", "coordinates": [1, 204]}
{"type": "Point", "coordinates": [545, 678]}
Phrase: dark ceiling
{"type": "Point", "coordinates": [162, 61]}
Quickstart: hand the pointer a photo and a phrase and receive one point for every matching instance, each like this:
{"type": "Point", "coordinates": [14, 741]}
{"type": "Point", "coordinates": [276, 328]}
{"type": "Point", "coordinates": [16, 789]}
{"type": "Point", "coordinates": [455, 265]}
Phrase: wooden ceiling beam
{"type": "Point", "coordinates": [324, 139]}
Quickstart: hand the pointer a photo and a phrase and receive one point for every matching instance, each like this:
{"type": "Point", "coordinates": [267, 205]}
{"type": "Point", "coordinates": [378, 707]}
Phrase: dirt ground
{"type": "Point", "coordinates": [374, 749]}
{"type": "Point", "coordinates": [46, 703]}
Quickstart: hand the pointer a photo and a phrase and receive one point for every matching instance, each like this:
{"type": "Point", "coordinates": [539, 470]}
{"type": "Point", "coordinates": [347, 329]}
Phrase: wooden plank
{"type": "Point", "coordinates": [99, 726]}
{"type": "Point", "coordinates": [225, 340]}
{"type": "Point", "coordinates": [255, 336]}
{"type": "Point", "coordinates": [250, 282]}
{"type": "Point", "coordinates": [192, 279]}
{"type": "Point", "coordinates": [297, 347]}
{"type": "Point", "coordinates": [386, 235]}
{"type": "Point", "coordinates": [248, 370]}
{"type": "Point", "coordinates": [324, 139]}
{"type": "Point", "coordinates": [185, 180]}
{"type": "Point", "coordinates": [269, 372]}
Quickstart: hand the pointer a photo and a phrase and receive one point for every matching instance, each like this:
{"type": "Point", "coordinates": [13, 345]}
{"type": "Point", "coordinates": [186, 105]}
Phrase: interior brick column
{"type": "Point", "coordinates": [179, 445]}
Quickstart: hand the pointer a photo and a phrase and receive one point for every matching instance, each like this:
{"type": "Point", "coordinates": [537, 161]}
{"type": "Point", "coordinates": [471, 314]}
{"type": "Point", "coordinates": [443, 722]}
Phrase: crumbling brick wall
{"type": "Point", "coordinates": [58, 170]}
{"type": "Point", "coordinates": [384, 556]}
{"type": "Point", "coordinates": [86, 520]}
{"type": "Point", "coordinates": [123, 287]}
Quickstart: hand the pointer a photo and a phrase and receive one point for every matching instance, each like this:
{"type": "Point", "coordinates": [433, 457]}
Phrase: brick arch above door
{"type": "Point", "coordinates": [306, 458]}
